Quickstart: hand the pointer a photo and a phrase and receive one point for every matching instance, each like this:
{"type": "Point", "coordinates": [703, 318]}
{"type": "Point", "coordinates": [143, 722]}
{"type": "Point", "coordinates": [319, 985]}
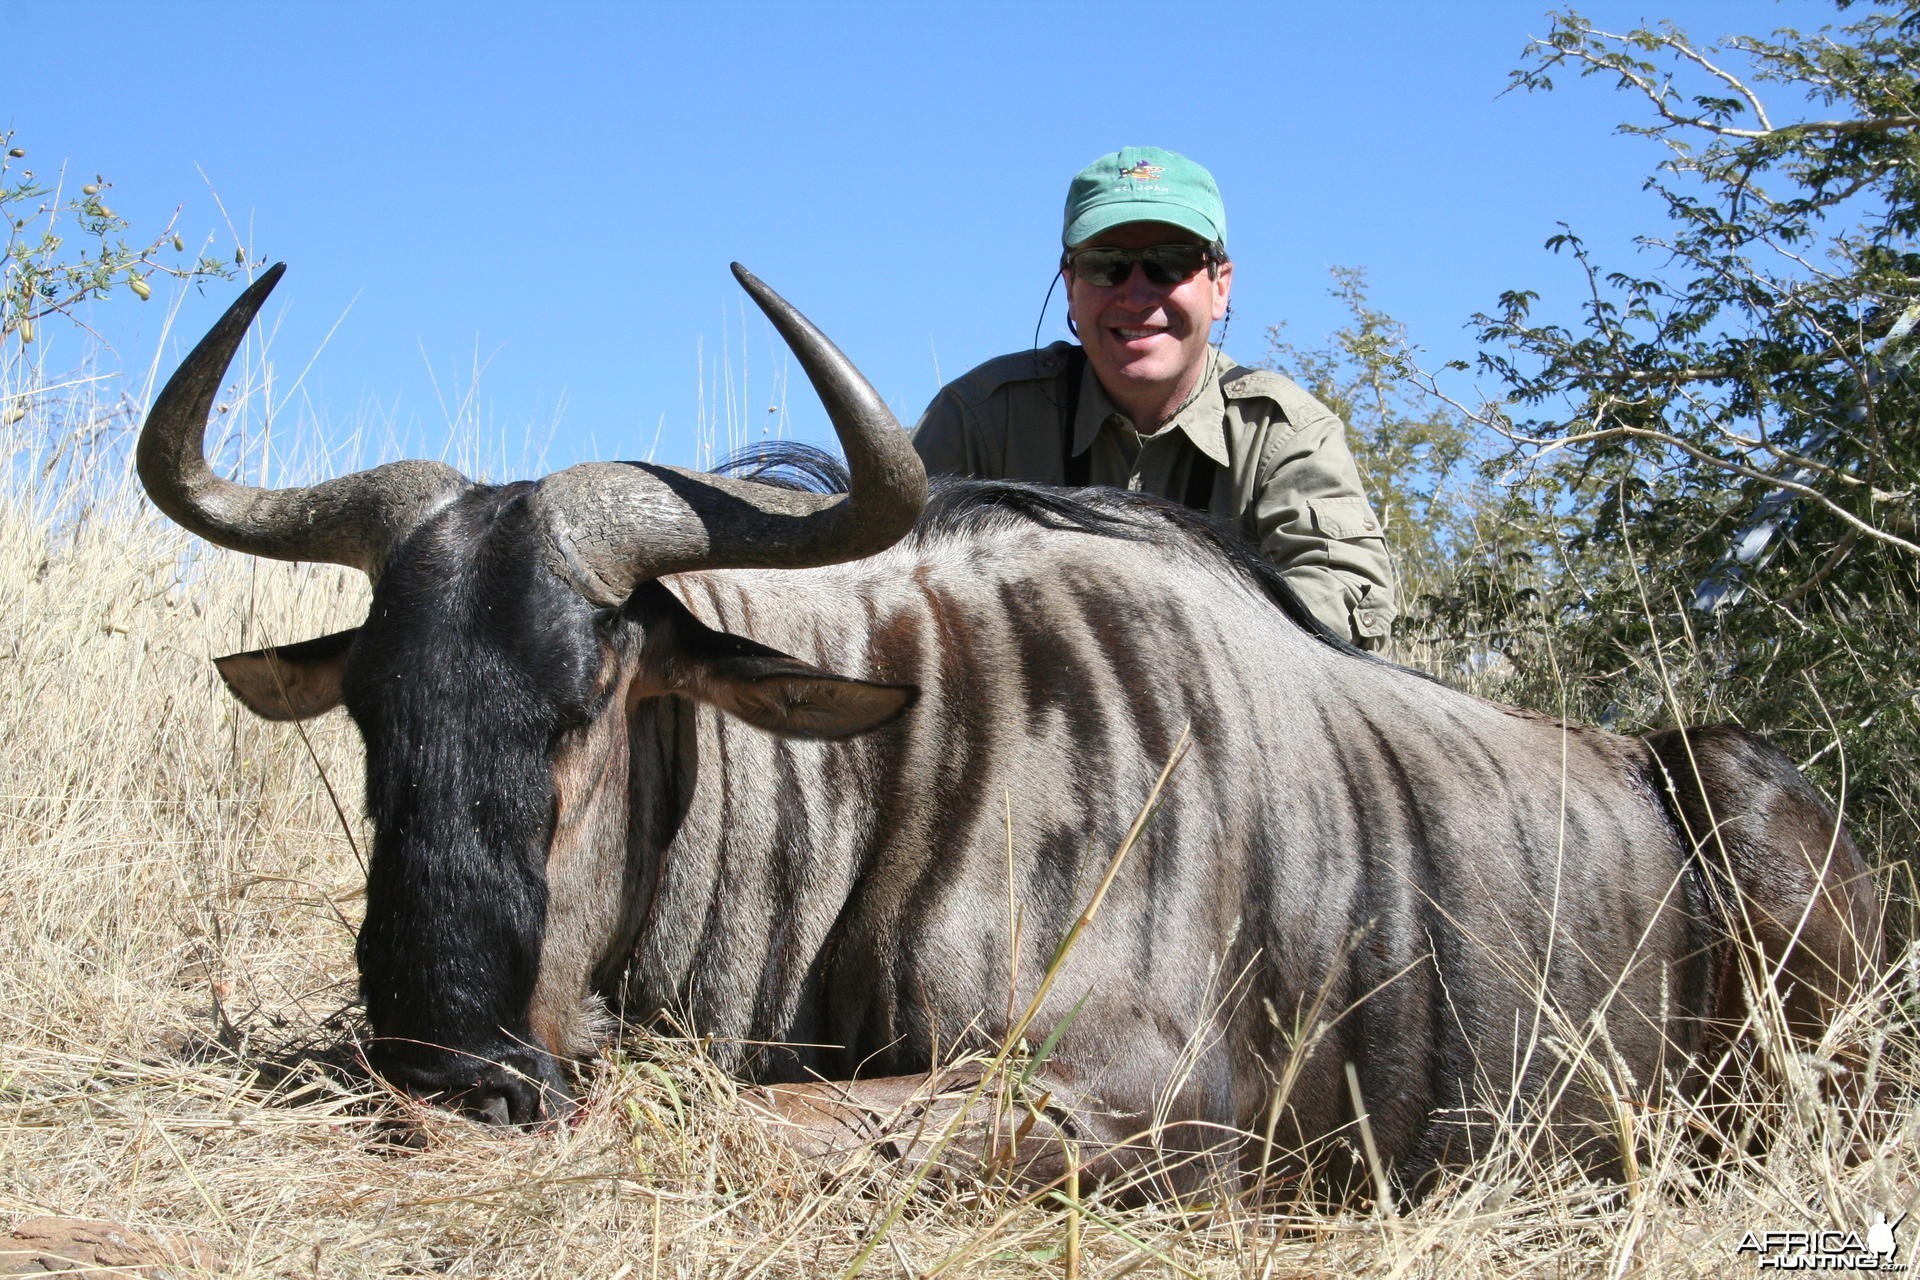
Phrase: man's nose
{"type": "Point", "coordinates": [1137, 288]}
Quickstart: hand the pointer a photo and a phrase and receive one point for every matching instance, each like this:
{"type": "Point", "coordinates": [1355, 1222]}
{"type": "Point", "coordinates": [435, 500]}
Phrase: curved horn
{"type": "Point", "coordinates": [352, 520]}
{"type": "Point", "coordinates": [615, 525]}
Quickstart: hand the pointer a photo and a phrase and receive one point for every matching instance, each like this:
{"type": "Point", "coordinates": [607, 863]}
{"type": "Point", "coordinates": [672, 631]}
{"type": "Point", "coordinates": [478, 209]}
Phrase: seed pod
{"type": "Point", "coordinates": [240, 257]}
{"type": "Point", "coordinates": [91, 189]}
{"type": "Point", "coordinates": [26, 331]}
{"type": "Point", "coordinates": [16, 413]}
{"type": "Point", "coordinates": [178, 244]}
{"type": "Point", "coordinates": [141, 289]}
{"type": "Point", "coordinates": [105, 212]}
{"type": "Point", "coordinates": [17, 152]}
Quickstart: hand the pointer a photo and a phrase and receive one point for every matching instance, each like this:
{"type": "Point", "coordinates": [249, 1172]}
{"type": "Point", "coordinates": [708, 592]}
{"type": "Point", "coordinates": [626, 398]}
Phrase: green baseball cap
{"type": "Point", "coordinates": [1143, 184]}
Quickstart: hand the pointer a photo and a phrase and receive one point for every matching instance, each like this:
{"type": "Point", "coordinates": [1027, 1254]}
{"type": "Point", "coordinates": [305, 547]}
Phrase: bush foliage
{"type": "Point", "coordinates": [1699, 498]}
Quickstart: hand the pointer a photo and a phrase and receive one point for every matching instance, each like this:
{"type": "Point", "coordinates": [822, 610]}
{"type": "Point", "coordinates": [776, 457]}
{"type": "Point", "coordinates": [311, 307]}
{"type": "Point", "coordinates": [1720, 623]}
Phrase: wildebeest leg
{"type": "Point", "coordinates": [946, 1118]}
{"type": "Point", "coordinates": [1782, 875]}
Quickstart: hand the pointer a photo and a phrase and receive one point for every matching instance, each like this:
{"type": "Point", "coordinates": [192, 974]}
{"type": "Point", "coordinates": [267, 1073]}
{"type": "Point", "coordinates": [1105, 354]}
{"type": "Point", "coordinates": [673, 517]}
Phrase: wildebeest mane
{"type": "Point", "coordinates": [958, 505]}
{"type": "Point", "coordinates": [954, 505]}
{"type": "Point", "coordinates": [787, 464]}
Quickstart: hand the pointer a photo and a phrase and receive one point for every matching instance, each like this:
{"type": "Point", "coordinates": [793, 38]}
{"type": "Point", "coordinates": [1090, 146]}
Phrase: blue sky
{"type": "Point", "coordinates": [554, 197]}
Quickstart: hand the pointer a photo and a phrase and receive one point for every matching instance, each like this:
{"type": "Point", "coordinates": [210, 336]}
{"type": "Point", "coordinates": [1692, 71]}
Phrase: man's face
{"type": "Point", "coordinates": [1146, 341]}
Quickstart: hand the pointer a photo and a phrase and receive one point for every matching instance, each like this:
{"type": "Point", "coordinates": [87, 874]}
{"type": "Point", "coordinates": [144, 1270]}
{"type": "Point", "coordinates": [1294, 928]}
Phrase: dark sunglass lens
{"type": "Point", "coordinates": [1169, 264]}
{"type": "Point", "coordinates": [1159, 273]}
{"type": "Point", "coordinates": [1103, 268]}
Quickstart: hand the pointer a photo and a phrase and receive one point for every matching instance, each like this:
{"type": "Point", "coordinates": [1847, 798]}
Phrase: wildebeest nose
{"type": "Point", "coordinates": [494, 1110]}
{"type": "Point", "coordinates": [519, 1088]}
{"type": "Point", "coordinates": [507, 1096]}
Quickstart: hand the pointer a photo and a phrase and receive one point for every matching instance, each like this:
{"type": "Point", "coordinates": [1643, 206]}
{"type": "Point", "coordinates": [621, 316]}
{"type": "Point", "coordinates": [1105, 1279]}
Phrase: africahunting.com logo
{"type": "Point", "coordinates": [1826, 1250]}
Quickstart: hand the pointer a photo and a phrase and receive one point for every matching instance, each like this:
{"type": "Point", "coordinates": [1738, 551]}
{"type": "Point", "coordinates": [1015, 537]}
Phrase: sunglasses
{"type": "Point", "coordinates": [1165, 264]}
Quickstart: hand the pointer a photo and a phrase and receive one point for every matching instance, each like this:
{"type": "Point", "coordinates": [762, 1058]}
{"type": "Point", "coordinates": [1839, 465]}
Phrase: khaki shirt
{"type": "Point", "coordinates": [1284, 471]}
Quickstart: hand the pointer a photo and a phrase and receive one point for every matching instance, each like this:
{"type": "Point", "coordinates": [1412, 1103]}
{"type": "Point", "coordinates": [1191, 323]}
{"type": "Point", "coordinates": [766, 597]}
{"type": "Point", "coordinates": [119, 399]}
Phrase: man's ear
{"type": "Point", "coordinates": [289, 681]}
{"type": "Point", "coordinates": [1222, 289]}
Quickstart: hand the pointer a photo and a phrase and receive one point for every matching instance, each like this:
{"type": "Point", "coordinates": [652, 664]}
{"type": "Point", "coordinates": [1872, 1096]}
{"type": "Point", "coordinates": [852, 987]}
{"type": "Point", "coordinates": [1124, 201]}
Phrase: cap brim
{"type": "Point", "coordinates": [1105, 217]}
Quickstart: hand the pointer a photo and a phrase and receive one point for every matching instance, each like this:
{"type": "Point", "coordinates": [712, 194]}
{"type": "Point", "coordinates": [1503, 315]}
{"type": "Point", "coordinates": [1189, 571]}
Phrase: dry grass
{"type": "Point", "coordinates": [176, 1023]}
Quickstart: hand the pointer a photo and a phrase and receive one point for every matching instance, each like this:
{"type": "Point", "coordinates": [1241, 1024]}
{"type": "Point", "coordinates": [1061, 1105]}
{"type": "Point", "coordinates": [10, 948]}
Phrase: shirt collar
{"type": "Point", "coordinates": [1201, 417]}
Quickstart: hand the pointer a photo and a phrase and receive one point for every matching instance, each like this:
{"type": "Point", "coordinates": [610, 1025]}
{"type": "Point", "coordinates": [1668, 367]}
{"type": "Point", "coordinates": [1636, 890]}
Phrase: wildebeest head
{"type": "Point", "coordinates": [505, 621]}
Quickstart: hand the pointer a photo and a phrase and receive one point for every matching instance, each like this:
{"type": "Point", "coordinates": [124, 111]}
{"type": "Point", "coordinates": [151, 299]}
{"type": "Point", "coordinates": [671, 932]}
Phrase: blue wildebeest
{"type": "Point", "coordinates": [787, 764]}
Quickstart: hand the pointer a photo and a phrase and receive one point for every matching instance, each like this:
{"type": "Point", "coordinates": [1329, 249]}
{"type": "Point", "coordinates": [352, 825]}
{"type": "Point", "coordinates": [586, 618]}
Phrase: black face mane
{"type": "Point", "coordinates": [473, 660]}
{"type": "Point", "coordinates": [962, 506]}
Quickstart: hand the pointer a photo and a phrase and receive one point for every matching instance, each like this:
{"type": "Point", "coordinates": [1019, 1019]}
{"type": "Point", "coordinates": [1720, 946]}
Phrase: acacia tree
{"type": "Point", "coordinates": [1723, 449]}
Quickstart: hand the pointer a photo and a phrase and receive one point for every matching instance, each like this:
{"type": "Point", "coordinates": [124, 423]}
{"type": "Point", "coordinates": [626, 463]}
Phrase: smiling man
{"type": "Point", "coordinates": [1146, 402]}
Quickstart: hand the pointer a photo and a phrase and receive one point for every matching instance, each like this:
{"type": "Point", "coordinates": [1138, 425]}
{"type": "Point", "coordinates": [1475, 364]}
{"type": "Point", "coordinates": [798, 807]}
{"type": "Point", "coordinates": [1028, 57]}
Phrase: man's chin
{"type": "Point", "coordinates": [1136, 372]}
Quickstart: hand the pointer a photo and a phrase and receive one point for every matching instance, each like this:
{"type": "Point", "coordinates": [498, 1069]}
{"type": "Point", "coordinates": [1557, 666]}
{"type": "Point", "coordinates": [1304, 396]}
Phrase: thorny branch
{"type": "Point", "coordinates": [1565, 48]}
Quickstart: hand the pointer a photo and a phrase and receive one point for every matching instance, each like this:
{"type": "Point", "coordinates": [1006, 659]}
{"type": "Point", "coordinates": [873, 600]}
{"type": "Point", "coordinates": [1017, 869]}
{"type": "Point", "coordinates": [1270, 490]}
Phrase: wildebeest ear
{"type": "Point", "coordinates": [289, 681]}
{"type": "Point", "coordinates": [786, 696]}
{"type": "Point", "coordinates": [763, 686]}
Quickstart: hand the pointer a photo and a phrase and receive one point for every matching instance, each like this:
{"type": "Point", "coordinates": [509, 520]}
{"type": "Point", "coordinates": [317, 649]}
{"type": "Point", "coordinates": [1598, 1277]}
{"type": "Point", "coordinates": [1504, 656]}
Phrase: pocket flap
{"type": "Point", "coordinates": [1344, 517]}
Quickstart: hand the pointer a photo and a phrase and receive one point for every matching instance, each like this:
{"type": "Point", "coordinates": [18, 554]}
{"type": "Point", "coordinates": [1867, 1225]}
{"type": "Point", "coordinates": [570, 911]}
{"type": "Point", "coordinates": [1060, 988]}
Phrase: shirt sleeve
{"type": "Point", "coordinates": [942, 438]}
{"type": "Point", "coordinates": [1315, 525]}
